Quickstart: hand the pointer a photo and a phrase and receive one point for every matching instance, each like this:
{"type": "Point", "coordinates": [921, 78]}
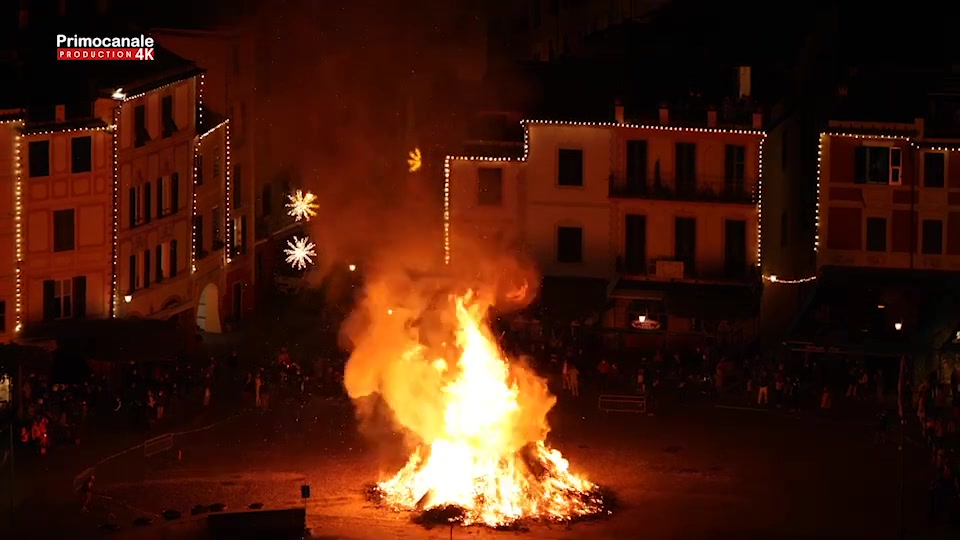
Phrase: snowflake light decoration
{"type": "Point", "coordinates": [415, 160]}
{"type": "Point", "coordinates": [301, 205]}
{"type": "Point", "coordinates": [300, 252]}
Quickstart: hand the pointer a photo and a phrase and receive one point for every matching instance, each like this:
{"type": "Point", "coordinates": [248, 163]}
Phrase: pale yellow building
{"type": "Point", "coordinates": [655, 212]}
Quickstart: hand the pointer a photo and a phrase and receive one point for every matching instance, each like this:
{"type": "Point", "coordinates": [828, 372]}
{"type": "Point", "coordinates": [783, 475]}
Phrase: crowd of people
{"type": "Point", "coordinates": [937, 407]}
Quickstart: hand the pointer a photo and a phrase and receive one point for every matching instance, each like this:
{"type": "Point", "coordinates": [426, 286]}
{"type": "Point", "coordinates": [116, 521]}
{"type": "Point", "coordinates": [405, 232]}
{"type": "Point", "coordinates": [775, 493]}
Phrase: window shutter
{"type": "Point", "coordinates": [860, 165]}
{"type": "Point", "coordinates": [80, 297]}
{"type": "Point", "coordinates": [133, 274]}
{"type": "Point", "coordinates": [174, 192]}
{"type": "Point", "coordinates": [147, 202]}
{"type": "Point", "coordinates": [173, 258]}
{"type": "Point", "coordinates": [49, 300]}
{"type": "Point", "coordinates": [160, 187]}
{"type": "Point", "coordinates": [133, 207]}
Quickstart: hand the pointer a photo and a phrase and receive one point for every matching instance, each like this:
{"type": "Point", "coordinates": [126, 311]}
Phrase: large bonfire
{"type": "Point", "coordinates": [483, 459]}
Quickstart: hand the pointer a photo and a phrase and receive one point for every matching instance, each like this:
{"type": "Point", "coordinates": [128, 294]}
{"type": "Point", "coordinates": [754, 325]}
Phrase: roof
{"type": "Point", "coordinates": [43, 80]}
{"type": "Point", "coordinates": [112, 339]}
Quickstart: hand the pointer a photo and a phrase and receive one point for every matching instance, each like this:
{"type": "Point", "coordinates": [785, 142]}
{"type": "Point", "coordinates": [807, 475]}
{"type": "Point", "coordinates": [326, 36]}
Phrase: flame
{"type": "Point", "coordinates": [488, 459]}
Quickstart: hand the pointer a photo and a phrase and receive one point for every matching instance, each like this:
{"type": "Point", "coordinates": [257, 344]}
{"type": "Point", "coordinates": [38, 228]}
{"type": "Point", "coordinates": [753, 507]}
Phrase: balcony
{"type": "Point", "coordinates": [704, 189]}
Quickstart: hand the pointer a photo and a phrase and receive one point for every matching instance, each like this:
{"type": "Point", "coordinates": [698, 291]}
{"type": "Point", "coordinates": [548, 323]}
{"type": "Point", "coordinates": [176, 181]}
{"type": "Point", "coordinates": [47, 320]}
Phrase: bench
{"type": "Point", "coordinates": [622, 403]}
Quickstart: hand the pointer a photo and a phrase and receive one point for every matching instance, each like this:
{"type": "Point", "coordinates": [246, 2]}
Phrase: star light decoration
{"type": "Point", "coordinates": [300, 252]}
{"type": "Point", "coordinates": [415, 160]}
{"type": "Point", "coordinates": [302, 206]}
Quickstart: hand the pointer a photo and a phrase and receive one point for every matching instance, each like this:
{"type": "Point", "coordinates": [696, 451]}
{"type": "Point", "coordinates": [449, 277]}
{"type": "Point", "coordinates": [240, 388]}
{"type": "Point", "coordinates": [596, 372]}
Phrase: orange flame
{"type": "Point", "coordinates": [489, 458]}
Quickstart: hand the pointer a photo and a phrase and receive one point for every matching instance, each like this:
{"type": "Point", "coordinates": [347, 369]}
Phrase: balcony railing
{"type": "Point", "coordinates": [701, 188]}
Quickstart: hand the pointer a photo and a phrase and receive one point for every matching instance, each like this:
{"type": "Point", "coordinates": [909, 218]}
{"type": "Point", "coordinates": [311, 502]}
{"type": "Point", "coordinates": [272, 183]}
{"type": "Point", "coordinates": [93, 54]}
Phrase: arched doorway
{"type": "Point", "coordinates": [208, 310]}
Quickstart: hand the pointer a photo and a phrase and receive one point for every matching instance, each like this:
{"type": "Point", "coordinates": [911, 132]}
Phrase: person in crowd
{"type": "Point", "coordinates": [573, 378]}
{"type": "Point", "coordinates": [763, 394]}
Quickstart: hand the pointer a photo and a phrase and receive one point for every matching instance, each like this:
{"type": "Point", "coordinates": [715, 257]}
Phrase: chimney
{"type": "Point", "coordinates": [712, 117]}
{"type": "Point", "coordinates": [664, 114]}
{"type": "Point", "coordinates": [757, 120]}
{"type": "Point", "coordinates": [61, 114]}
{"type": "Point", "coordinates": [745, 79]}
{"type": "Point", "coordinates": [618, 112]}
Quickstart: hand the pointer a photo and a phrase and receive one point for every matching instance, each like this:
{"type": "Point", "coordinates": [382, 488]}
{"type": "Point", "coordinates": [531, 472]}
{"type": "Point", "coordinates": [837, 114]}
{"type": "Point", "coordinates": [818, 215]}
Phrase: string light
{"type": "Point", "coordinates": [772, 278]}
{"type": "Point", "coordinates": [816, 209]}
{"type": "Point", "coordinates": [213, 130]}
{"type": "Point", "coordinates": [115, 288]}
{"type": "Point", "coordinates": [848, 135]}
{"type": "Point", "coordinates": [18, 219]}
{"type": "Point", "coordinates": [935, 148]}
{"type": "Point", "coordinates": [196, 172]}
{"type": "Point", "coordinates": [69, 130]}
{"type": "Point", "coordinates": [141, 94]}
{"type": "Point", "coordinates": [227, 178]}
{"type": "Point", "coordinates": [447, 162]}
{"type": "Point", "coordinates": [760, 201]}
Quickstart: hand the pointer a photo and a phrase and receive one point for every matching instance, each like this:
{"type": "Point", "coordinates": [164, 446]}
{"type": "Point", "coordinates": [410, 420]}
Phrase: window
{"type": "Point", "coordinates": [685, 243]}
{"type": "Point", "coordinates": [169, 124]}
{"type": "Point", "coordinates": [637, 164]}
{"type": "Point", "coordinates": [81, 154]}
{"type": "Point", "coordinates": [569, 244]}
{"type": "Point", "coordinates": [39, 158]}
{"type": "Point", "coordinates": [237, 196]}
{"type": "Point", "coordinates": [174, 199]}
{"type": "Point", "coordinates": [163, 192]}
{"type": "Point", "coordinates": [239, 235]}
{"type": "Point", "coordinates": [490, 186]}
{"type": "Point", "coordinates": [140, 134]}
{"type": "Point", "coordinates": [266, 200]}
{"type": "Point", "coordinates": [133, 276]}
{"type": "Point", "coordinates": [735, 168]}
{"type": "Point", "coordinates": [217, 228]}
{"type": "Point", "coordinates": [876, 234]}
{"type": "Point", "coordinates": [158, 258]}
{"type": "Point", "coordinates": [3, 316]}
{"type": "Point", "coordinates": [931, 242]}
{"type": "Point", "coordinates": [877, 165]}
{"type": "Point", "coordinates": [570, 167]}
{"type": "Point", "coordinates": [635, 244]}
{"type": "Point", "coordinates": [147, 268]}
{"type": "Point", "coordinates": [147, 205]}
{"type": "Point", "coordinates": [735, 247]}
{"type": "Point", "coordinates": [198, 167]}
{"type": "Point", "coordinates": [172, 265]}
{"type": "Point", "coordinates": [934, 169]}
{"type": "Point", "coordinates": [64, 298]}
{"type": "Point", "coordinates": [686, 167]}
{"type": "Point", "coordinates": [64, 230]}
{"type": "Point", "coordinates": [198, 252]}
{"type": "Point", "coordinates": [135, 205]}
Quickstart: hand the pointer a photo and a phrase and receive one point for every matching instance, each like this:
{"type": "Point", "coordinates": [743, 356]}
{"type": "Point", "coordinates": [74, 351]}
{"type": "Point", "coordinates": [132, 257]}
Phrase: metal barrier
{"type": "Point", "coordinates": [622, 403]}
{"type": "Point", "coordinates": [158, 445]}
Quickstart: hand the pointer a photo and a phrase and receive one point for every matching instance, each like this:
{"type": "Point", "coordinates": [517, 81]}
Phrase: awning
{"type": "Point", "coordinates": [695, 300]}
{"type": "Point", "coordinates": [861, 308]}
{"type": "Point", "coordinates": [568, 299]}
{"type": "Point", "coordinates": [112, 339]}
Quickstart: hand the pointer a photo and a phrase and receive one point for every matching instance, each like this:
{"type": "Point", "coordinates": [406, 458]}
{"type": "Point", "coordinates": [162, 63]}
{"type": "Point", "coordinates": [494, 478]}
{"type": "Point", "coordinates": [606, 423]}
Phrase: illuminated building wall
{"type": "Point", "coordinates": [157, 131]}
{"type": "Point", "coordinates": [9, 183]}
{"type": "Point", "coordinates": [575, 181]}
{"type": "Point", "coordinates": [67, 203]}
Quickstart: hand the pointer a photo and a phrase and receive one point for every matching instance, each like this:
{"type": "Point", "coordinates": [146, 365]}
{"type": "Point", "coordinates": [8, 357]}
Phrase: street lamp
{"type": "Point", "coordinates": [128, 298]}
{"type": "Point", "coordinates": [898, 326]}
{"type": "Point", "coordinates": [352, 267]}
{"type": "Point", "coordinates": [642, 319]}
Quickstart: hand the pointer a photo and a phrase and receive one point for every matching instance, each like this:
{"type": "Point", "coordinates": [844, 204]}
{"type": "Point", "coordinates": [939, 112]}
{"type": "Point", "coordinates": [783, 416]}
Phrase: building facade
{"type": "Point", "coordinates": [229, 86]}
{"type": "Point", "coordinates": [156, 133]}
{"type": "Point", "coordinates": [657, 212]}
{"type": "Point", "coordinates": [10, 233]}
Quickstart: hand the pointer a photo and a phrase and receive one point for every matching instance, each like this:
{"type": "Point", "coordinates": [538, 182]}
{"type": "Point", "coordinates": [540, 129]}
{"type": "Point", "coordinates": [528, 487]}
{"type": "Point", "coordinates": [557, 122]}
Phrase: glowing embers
{"type": "Point", "coordinates": [487, 463]}
{"type": "Point", "coordinates": [302, 205]}
{"type": "Point", "coordinates": [300, 252]}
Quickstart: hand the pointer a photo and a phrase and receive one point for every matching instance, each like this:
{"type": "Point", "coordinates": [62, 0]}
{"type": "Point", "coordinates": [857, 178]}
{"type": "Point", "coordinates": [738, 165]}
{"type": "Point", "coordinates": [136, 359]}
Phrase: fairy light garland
{"type": "Point", "coordinates": [18, 219]}
{"type": "Point", "coordinates": [32, 133]}
{"type": "Point", "coordinates": [162, 87]}
{"type": "Point", "coordinates": [760, 201]}
{"type": "Point", "coordinates": [196, 170]}
{"type": "Point", "coordinates": [115, 287]}
{"type": "Point", "coordinates": [227, 176]}
{"type": "Point", "coordinates": [773, 278]}
{"type": "Point", "coordinates": [447, 162]}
